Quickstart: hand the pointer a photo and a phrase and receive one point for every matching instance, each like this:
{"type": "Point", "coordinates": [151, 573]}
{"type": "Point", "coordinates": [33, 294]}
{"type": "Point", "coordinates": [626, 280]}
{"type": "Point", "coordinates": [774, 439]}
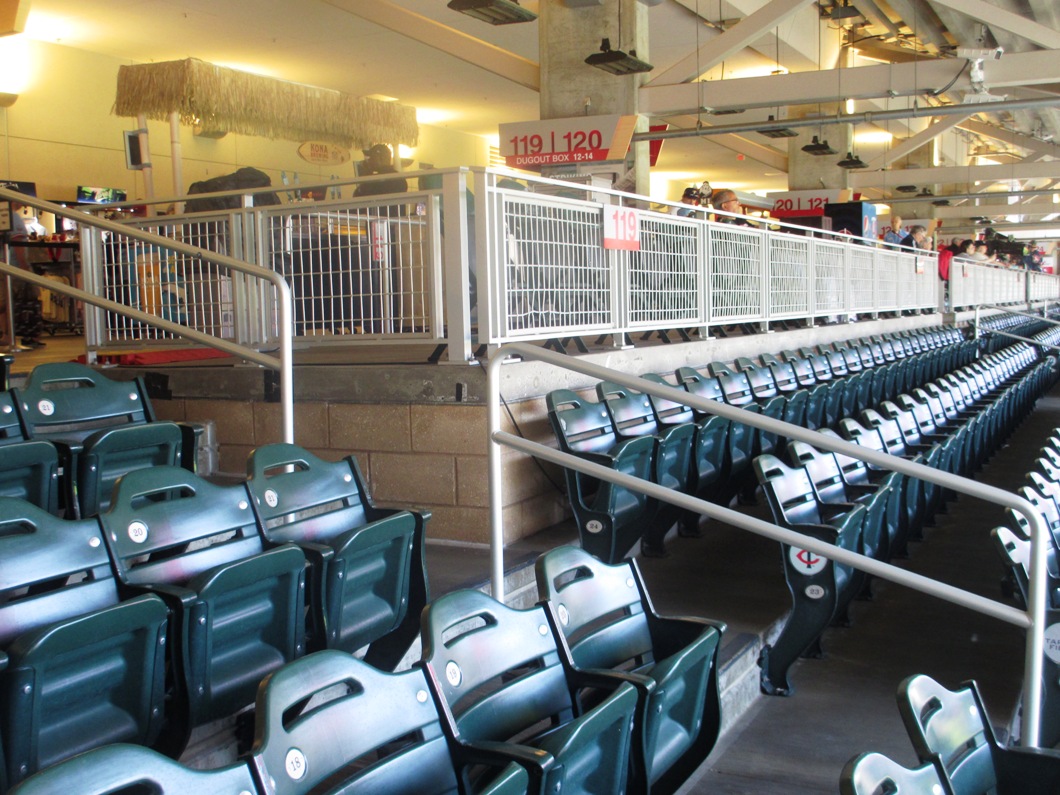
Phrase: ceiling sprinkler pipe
{"type": "Point", "coordinates": [854, 118]}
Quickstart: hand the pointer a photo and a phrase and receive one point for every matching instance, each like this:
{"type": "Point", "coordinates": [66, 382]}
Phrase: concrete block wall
{"type": "Point", "coordinates": [431, 456]}
{"type": "Point", "coordinates": [419, 431]}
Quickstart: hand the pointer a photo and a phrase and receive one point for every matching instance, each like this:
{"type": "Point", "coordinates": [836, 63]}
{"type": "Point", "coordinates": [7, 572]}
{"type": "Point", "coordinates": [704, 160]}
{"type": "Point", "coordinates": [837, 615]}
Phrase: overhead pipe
{"type": "Point", "coordinates": [991, 194]}
{"type": "Point", "coordinates": [852, 118]}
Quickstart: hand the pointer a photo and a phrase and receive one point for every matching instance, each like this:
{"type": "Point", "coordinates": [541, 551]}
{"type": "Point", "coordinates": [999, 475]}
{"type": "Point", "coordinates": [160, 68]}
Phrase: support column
{"type": "Point", "coordinates": [570, 87]}
{"type": "Point", "coordinates": [818, 172]}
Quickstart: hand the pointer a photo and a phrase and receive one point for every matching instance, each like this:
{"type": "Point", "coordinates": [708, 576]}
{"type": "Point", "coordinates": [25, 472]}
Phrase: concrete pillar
{"type": "Point", "coordinates": [570, 87]}
{"type": "Point", "coordinates": [817, 172]}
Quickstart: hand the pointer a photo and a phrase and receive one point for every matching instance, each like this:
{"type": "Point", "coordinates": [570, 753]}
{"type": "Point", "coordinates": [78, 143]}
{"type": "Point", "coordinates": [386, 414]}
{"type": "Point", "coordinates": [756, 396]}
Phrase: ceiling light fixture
{"type": "Point", "coordinates": [616, 62]}
{"type": "Point", "coordinates": [852, 161]}
{"type": "Point", "coordinates": [495, 12]}
{"type": "Point", "coordinates": [778, 131]}
{"type": "Point", "coordinates": [906, 189]}
{"type": "Point", "coordinates": [819, 148]}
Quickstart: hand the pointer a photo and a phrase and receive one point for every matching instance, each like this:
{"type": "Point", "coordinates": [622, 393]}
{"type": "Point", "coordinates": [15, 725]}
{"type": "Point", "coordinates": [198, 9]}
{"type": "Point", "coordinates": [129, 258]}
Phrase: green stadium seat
{"type": "Point", "coordinates": [508, 681]}
{"type": "Point", "coordinates": [238, 607]}
{"type": "Point", "coordinates": [607, 619]}
{"type": "Point", "coordinates": [135, 770]}
{"type": "Point", "coordinates": [950, 729]}
{"type": "Point", "coordinates": [820, 588]}
{"type": "Point", "coordinates": [330, 722]}
{"type": "Point", "coordinates": [367, 574]}
{"type": "Point", "coordinates": [876, 774]}
{"type": "Point", "coordinates": [82, 666]}
{"type": "Point", "coordinates": [610, 518]}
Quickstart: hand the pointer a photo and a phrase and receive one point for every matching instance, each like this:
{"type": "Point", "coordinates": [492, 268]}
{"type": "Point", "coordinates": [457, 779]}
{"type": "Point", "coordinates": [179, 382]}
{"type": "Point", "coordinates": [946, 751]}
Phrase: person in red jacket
{"type": "Point", "coordinates": [945, 259]}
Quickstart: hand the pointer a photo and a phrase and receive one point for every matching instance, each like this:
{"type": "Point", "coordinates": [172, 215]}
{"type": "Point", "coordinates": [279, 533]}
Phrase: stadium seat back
{"type": "Point", "coordinates": [130, 770]}
{"type": "Point", "coordinates": [501, 674]}
{"type": "Point", "coordinates": [367, 578]}
{"type": "Point", "coordinates": [84, 668]}
{"type": "Point", "coordinates": [391, 733]}
{"type": "Point", "coordinates": [607, 619]}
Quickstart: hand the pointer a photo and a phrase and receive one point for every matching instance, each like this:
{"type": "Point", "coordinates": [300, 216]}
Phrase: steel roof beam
{"type": "Point", "coordinates": [858, 82]}
{"type": "Point", "coordinates": [738, 37]}
{"type": "Point", "coordinates": [998, 17]}
{"type": "Point", "coordinates": [446, 39]}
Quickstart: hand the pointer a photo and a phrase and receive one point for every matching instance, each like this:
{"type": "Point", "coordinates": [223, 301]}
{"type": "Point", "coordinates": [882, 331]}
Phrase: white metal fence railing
{"type": "Point", "coordinates": [976, 283]}
{"type": "Point", "coordinates": [356, 270]}
{"type": "Point", "coordinates": [152, 285]}
{"type": "Point", "coordinates": [534, 262]}
{"type": "Point", "coordinates": [549, 253]}
{"type": "Point", "coordinates": [169, 283]}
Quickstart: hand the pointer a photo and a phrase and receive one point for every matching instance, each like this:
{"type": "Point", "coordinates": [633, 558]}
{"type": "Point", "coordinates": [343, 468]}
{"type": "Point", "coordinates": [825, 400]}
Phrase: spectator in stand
{"type": "Point", "coordinates": [690, 198]}
{"type": "Point", "coordinates": [945, 260]}
{"type": "Point", "coordinates": [916, 238]}
{"type": "Point", "coordinates": [1032, 256]}
{"type": "Point", "coordinates": [726, 200]}
{"type": "Point", "coordinates": [981, 253]}
{"type": "Point", "coordinates": [895, 234]}
{"type": "Point", "coordinates": [379, 160]}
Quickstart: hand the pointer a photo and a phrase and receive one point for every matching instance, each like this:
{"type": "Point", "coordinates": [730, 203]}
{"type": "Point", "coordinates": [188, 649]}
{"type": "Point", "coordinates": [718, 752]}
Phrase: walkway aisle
{"type": "Point", "coordinates": [844, 704]}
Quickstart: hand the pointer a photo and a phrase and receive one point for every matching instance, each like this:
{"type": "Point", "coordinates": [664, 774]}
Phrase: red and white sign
{"type": "Point", "coordinates": [621, 228]}
{"type": "Point", "coordinates": [800, 203]}
{"type": "Point", "coordinates": [806, 562]}
{"type": "Point", "coordinates": [379, 238]}
{"type": "Point", "coordinates": [583, 139]}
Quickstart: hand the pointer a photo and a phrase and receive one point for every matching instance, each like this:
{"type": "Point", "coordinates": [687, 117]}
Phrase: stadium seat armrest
{"type": "Point", "coordinates": [604, 678]}
{"type": "Point", "coordinates": [821, 532]}
{"type": "Point", "coordinates": [536, 761]}
{"type": "Point", "coordinates": [177, 597]}
{"type": "Point", "coordinates": [316, 553]}
{"type": "Point", "coordinates": [675, 633]}
{"type": "Point", "coordinates": [68, 448]}
{"type": "Point", "coordinates": [191, 434]}
{"type": "Point", "coordinates": [830, 510]}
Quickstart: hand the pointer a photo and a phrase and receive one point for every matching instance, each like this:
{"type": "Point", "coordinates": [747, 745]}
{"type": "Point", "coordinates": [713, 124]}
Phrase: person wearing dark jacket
{"type": "Point", "coordinates": [379, 160]}
{"type": "Point", "coordinates": [915, 238]}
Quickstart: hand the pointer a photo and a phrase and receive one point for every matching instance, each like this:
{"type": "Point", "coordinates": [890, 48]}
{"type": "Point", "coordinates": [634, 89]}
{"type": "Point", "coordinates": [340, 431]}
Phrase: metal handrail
{"type": "Point", "coordinates": [1033, 620]}
{"type": "Point", "coordinates": [283, 363]}
{"type": "Point", "coordinates": [979, 331]}
{"type": "Point", "coordinates": [1010, 311]}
